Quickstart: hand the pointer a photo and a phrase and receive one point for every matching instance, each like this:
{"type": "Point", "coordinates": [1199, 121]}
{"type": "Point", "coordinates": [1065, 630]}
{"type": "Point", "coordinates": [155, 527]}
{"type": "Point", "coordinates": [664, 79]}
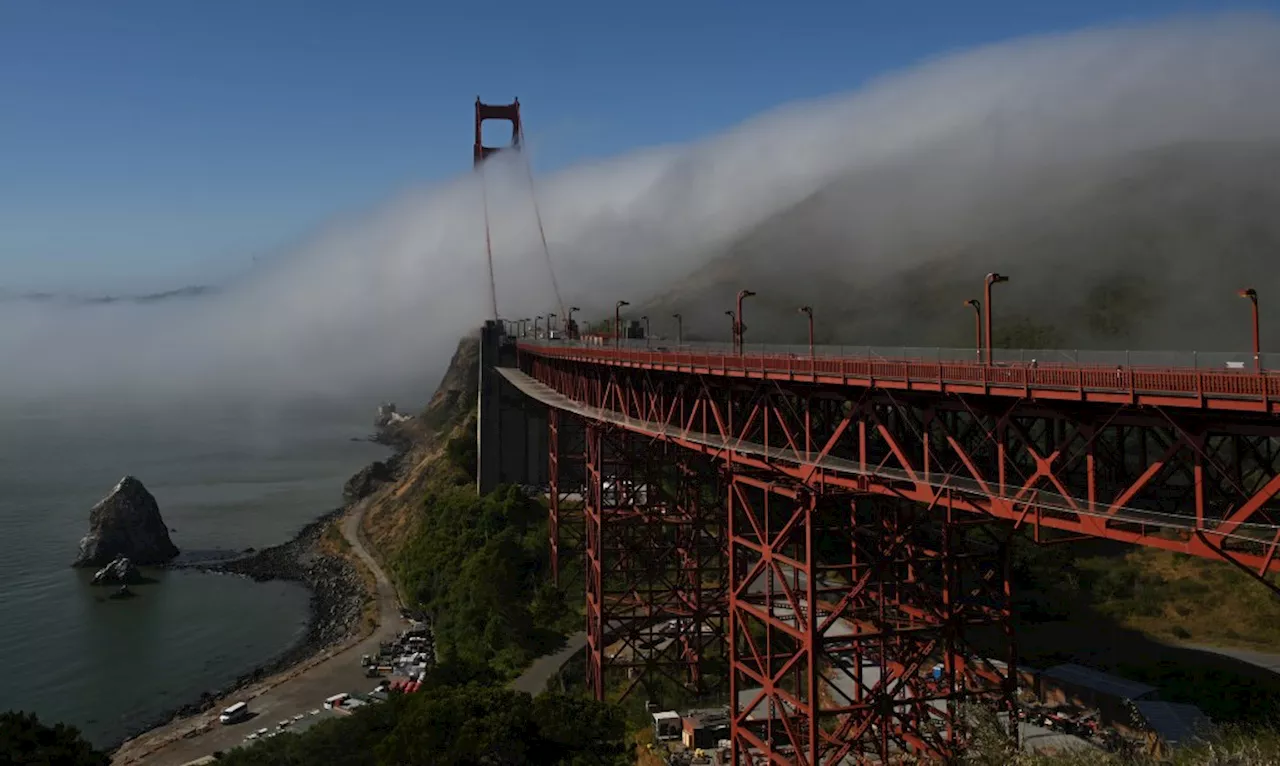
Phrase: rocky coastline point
{"type": "Point", "coordinates": [126, 523]}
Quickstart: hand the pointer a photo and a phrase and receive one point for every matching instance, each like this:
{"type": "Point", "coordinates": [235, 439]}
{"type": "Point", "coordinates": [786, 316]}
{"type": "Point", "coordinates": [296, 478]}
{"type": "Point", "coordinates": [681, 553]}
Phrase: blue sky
{"type": "Point", "coordinates": [156, 142]}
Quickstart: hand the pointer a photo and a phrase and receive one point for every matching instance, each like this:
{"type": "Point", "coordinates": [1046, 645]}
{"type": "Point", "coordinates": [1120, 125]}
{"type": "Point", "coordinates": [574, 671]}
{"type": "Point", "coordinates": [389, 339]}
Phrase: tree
{"type": "Point", "coordinates": [24, 741]}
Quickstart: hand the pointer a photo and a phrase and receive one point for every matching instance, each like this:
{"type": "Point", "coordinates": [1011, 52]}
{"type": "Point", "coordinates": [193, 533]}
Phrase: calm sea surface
{"type": "Point", "coordinates": [226, 479]}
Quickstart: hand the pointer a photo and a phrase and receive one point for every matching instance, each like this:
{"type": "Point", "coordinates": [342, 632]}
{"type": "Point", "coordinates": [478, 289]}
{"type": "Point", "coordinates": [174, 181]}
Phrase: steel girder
{"type": "Point", "coordinates": [566, 495]}
{"type": "Point", "coordinates": [903, 477]}
{"type": "Point", "coordinates": [849, 617]}
{"type": "Point", "coordinates": [1202, 483]}
{"type": "Point", "coordinates": [655, 563]}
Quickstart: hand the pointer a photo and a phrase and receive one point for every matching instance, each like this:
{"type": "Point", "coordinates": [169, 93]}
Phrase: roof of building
{"type": "Point", "coordinates": [666, 715]}
{"type": "Point", "coordinates": [1099, 681]}
{"type": "Point", "coordinates": [1175, 723]}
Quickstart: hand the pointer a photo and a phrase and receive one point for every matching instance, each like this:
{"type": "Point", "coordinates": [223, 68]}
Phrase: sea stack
{"type": "Point", "coordinates": [126, 523]}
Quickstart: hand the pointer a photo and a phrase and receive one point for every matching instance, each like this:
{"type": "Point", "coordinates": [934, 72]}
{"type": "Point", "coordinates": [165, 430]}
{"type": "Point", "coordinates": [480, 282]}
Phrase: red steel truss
{"type": "Point", "coordinates": [566, 495]}
{"type": "Point", "coordinates": [889, 508]}
{"type": "Point", "coordinates": [848, 624]}
{"type": "Point", "coordinates": [1198, 482]}
{"type": "Point", "coordinates": [1172, 387]}
{"type": "Point", "coordinates": [655, 564]}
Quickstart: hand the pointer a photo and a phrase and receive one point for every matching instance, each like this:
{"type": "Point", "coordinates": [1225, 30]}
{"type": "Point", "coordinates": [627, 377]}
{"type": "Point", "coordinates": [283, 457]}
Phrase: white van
{"type": "Point", "coordinates": [235, 714]}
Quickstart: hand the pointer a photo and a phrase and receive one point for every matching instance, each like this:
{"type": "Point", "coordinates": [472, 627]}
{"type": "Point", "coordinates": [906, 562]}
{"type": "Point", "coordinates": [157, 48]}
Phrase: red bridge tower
{"type": "Point", "coordinates": [510, 113]}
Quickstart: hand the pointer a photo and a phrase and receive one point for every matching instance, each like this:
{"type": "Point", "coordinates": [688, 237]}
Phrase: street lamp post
{"type": "Point", "coordinates": [733, 320]}
{"type": "Point", "coordinates": [617, 323]}
{"type": "Point", "coordinates": [570, 326]}
{"type": "Point", "coordinates": [536, 321]}
{"type": "Point", "coordinates": [679, 329]}
{"type": "Point", "coordinates": [1252, 295]}
{"type": "Point", "coordinates": [550, 324]}
{"type": "Point", "coordinates": [739, 325]}
{"type": "Point", "coordinates": [645, 319]}
{"type": "Point", "coordinates": [977, 326]}
{"type": "Point", "coordinates": [527, 322]}
{"type": "Point", "coordinates": [808, 311]}
{"type": "Point", "coordinates": [992, 278]}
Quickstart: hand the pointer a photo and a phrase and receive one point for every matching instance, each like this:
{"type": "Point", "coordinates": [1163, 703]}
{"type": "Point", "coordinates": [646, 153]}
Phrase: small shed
{"type": "Point", "coordinates": [666, 725]}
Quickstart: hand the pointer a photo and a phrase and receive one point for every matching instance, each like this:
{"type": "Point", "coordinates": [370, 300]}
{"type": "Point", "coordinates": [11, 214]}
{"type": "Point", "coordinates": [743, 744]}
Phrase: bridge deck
{"type": "Point", "coordinates": [1223, 390]}
{"type": "Point", "coordinates": [1143, 523]}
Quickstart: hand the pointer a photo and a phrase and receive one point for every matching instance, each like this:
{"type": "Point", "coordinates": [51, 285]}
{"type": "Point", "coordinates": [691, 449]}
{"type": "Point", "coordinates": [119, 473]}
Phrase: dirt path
{"type": "Point", "coordinates": [298, 690]}
{"type": "Point", "coordinates": [1265, 660]}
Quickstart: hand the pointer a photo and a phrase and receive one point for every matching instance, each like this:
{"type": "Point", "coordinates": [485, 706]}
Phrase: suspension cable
{"type": "Point", "coordinates": [488, 244]}
{"type": "Point", "coordinates": [537, 213]}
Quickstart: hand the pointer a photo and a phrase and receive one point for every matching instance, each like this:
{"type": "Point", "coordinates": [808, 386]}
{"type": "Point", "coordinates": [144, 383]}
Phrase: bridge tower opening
{"type": "Point", "coordinates": [509, 113]}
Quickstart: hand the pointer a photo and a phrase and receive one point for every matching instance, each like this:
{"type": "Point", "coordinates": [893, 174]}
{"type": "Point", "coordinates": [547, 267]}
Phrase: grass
{"type": "Point", "coordinates": [1133, 611]}
{"type": "Point", "coordinates": [1230, 746]}
{"type": "Point", "coordinates": [1181, 598]}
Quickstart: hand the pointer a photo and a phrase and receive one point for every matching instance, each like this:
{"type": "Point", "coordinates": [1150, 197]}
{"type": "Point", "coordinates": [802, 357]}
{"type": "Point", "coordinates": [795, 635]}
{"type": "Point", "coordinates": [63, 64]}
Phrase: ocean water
{"type": "Point", "coordinates": [228, 478]}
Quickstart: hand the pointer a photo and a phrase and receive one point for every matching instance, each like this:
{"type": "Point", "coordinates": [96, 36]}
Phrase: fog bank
{"type": "Point", "coordinates": [916, 165]}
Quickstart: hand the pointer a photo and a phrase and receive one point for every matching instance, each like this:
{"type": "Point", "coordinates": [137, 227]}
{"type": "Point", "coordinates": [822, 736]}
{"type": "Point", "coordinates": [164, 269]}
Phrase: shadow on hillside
{"type": "Point", "coordinates": [1055, 623]}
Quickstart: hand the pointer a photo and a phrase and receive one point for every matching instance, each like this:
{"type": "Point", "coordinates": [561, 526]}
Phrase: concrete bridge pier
{"type": "Point", "coordinates": [511, 428]}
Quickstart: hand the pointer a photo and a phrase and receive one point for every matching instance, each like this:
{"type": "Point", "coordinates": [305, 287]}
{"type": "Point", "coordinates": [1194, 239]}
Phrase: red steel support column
{"type": "Point", "coordinates": [839, 613]}
{"type": "Point", "coordinates": [594, 575]}
{"type": "Point", "coordinates": [553, 491]}
{"type": "Point", "coordinates": [654, 594]}
{"type": "Point", "coordinates": [566, 492]}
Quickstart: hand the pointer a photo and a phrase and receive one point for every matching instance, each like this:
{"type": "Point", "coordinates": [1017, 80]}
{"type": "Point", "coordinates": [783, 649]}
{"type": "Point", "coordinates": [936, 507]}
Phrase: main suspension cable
{"type": "Point", "coordinates": [488, 245]}
{"type": "Point", "coordinates": [537, 213]}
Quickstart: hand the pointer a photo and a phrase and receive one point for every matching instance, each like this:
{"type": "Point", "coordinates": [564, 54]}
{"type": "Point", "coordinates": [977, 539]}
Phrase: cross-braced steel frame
{"type": "Point", "coordinates": [566, 494]}
{"type": "Point", "coordinates": [849, 624]}
{"type": "Point", "coordinates": [926, 488]}
{"type": "Point", "coordinates": [655, 566]}
{"type": "Point", "coordinates": [1179, 478]}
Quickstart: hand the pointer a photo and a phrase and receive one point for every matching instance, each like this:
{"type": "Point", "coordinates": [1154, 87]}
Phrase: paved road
{"type": "Point", "coordinates": [304, 692]}
{"type": "Point", "coordinates": [534, 680]}
{"type": "Point", "coordinates": [1264, 660]}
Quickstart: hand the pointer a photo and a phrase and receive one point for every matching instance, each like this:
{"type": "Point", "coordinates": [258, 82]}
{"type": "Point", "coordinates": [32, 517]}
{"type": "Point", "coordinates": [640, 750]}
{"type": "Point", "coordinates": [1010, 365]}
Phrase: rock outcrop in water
{"type": "Point", "coordinates": [120, 571]}
{"type": "Point", "coordinates": [388, 416]}
{"type": "Point", "coordinates": [126, 523]}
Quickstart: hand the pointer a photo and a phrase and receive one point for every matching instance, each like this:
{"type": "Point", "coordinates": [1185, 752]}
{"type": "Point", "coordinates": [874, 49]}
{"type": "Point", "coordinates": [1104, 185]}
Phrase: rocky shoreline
{"type": "Point", "coordinates": [337, 599]}
{"type": "Point", "coordinates": [337, 589]}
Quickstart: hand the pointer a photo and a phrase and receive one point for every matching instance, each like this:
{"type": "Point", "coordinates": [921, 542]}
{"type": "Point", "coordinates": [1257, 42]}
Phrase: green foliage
{"type": "Point", "coordinates": [478, 566]}
{"type": "Point", "coordinates": [455, 725]}
{"type": "Point", "coordinates": [463, 450]}
{"type": "Point", "coordinates": [1122, 611]}
{"type": "Point", "coordinates": [24, 740]}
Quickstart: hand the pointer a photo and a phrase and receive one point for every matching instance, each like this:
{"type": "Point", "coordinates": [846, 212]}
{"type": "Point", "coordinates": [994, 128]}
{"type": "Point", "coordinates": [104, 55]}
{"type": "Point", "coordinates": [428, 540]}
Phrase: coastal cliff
{"type": "Point", "coordinates": [395, 498]}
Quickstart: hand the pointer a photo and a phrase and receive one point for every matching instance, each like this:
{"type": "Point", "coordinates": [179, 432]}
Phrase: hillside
{"type": "Point", "coordinates": [424, 438]}
{"type": "Point", "coordinates": [1142, 252]}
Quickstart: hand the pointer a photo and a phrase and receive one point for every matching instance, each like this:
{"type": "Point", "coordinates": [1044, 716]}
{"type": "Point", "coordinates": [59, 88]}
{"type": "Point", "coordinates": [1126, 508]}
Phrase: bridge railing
{"type": "Point", "coordinates": [1224, 375]}
{"type": "Point", "coordinates": [1040, 357]}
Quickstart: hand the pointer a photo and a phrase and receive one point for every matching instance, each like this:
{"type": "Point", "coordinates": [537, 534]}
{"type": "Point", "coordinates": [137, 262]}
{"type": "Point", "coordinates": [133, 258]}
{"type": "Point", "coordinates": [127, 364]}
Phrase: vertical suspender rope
{"type": "Point", "coordinates": [488, 245]}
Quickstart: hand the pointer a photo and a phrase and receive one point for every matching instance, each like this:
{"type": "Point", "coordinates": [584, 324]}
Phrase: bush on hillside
{"type": "Point", "coordinates": [479, 567]}
{"type": "Point", "coordinates": [455, 725]}
{"type": "Point", "coordinates": [25, 741]}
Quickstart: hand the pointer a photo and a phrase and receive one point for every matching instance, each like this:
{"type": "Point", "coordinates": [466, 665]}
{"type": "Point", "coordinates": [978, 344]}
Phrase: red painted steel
{"type": "Point", "coordinates": [1183, 460]}
{"type": "Point", "coordinates": [880, 663]}
{"type": "Point", "coordinates": [504, 112]}
{"type": "Point", "coordinates": [566, 495]}
{"type": "Point", "coordinates": [655, 561]}
{"type": "Point", "coordinates": [1153, 387]}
